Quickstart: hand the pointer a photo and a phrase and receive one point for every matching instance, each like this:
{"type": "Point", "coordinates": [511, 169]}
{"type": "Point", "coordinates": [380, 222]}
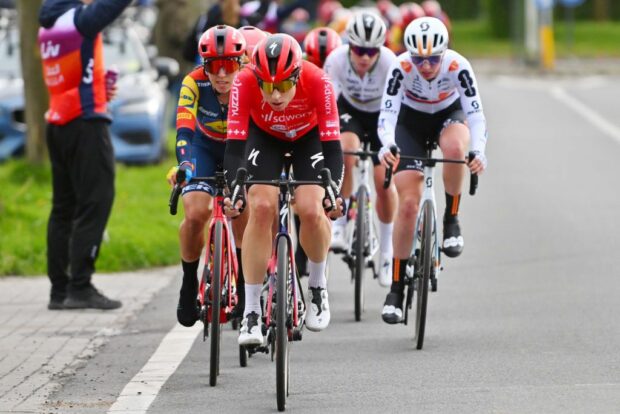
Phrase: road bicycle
{"type": "Point", "coordinates": [361, 236]}
{"type": "Point", "coordinates": [284, 311]}
{"type": "Point", "coordinates": [424, 264]}
{"type": "Point", "coordinates": [217, 295]}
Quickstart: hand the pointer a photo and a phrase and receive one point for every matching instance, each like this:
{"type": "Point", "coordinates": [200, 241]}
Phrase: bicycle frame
{"type": "Point", "coordinates": [427, 195]}
{"type": "Point", "coordinates": [231, 259]}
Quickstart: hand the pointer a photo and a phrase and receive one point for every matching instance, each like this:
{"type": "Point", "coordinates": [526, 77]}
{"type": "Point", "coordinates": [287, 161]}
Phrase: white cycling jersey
{"type": "Point", "coordinates": [456, 80]}
{"type": "Point", "coordinates": [362, 93]}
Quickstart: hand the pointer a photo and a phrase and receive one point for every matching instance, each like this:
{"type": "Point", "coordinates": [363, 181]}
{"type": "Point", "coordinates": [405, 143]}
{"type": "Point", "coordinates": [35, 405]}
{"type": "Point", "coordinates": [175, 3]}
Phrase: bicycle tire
{"type": "Point", "coordinates": [282, 283]}
{"type": "Point", "coordinates": [358, 250]}
{"type": "Point", "coordinates": [426, 255]}
{"type": "Point", "coordinates": [216, 292]}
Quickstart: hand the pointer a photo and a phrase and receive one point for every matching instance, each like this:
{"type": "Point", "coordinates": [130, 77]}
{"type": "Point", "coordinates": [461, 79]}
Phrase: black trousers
{"type": "Point", "coordinates": [83, 191]}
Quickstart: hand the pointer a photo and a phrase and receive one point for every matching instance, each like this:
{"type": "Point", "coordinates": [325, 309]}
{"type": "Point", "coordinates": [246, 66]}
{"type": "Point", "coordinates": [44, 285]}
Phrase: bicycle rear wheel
{"type": "Point", "coordinates": [423, 273]}
{"type": "Point", "coordinates": [282, 312]}
{"type": "Point", "coordinates": [358, 250]}
{"type": "Point", "coordinates": [216, 292]}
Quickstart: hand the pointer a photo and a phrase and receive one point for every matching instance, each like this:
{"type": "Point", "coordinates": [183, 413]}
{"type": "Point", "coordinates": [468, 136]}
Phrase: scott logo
{"type": "Point", "coordinates": [49, 50]}
{"type": "Point", "coordinates": [425, 26]}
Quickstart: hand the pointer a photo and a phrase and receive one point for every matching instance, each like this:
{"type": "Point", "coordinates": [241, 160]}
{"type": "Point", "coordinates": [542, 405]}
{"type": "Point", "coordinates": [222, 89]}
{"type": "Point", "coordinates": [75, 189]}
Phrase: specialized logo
{"type": "Point", "coordinates": [317, 158]}
{"type": "Point", "coordinates": [272, 49]}
{"type": "Point", "coordinates": [283, 214]}
{"type": "Point", "coordinates": [253, 156]}
{"type": "Point", "coordinates": [346, 118]}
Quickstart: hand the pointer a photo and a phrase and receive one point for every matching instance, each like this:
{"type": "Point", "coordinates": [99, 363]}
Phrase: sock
{"type": "Point", "coordinates": [385, 238]}
{"type": "Point", "coordinates": [252, 299]}
{"type": "Point", "coordinates": [399, 269]}
{"type": "Point", "coordinates": [240, 278]}
{"type": "Point", "coordinates": [452, 206]}
{"type": "Point", "coordinates": [317, 274]}
{"type": "Point", "coordinates": [190, 276]}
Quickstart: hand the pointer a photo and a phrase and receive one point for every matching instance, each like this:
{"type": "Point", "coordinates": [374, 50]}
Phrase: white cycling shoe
{"type": "Point", "coordinates": [317, 316]}
{"type": "Point", "coordinates": [385, 271]}
{"type": "Point", "coordinates": [339, 237]}
{"type": "Point", "coordinates": [251, 332]}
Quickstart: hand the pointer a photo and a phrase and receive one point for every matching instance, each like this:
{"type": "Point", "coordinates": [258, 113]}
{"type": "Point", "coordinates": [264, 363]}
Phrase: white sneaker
{"type": "Point", "coordinates": [339, 234]}
{"type": "Point", "coordinates": [385, 271]}
{"type": "Point", "coordinates": [317, 316]}
{"type": "Point", "coordinates": [251, 332]}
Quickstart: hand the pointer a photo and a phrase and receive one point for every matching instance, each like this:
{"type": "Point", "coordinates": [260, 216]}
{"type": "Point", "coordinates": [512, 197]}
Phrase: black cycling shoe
{"type": "Point", "coordinates": [452, 240]}
{"type": "Point", "coordinates": [187, 309]}
{"type": "Point", "coordinates": [393, 308]}
{"type": "Point", "coordinates": [89, 298]}
{"type": "Point", "coordinates": [56, 304]}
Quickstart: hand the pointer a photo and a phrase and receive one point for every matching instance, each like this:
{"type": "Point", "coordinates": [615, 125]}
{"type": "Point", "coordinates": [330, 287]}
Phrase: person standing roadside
{"type": "Point", "coordinates": [79, 144]}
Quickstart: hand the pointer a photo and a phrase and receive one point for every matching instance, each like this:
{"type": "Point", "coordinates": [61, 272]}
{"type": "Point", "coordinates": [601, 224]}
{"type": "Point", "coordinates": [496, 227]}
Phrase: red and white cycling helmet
{"type": "Point", "coordinates": [277, 58]}
{"type": "Point", "coordinates": [319, 43]}
{"type": "Point", "coordinates": [409, 12]}
{"type": "Point", "coordinates": [426, 36]}
{"type": "Point", "coordinates": [221, 42]}
{"type": "Point", "coordinates": [253, 36]}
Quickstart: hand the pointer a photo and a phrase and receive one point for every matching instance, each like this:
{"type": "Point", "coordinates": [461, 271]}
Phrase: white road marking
{"type": "Point", "coordinates": [141, 391]}
{"type": "Point", "coordinates": [597, 120]}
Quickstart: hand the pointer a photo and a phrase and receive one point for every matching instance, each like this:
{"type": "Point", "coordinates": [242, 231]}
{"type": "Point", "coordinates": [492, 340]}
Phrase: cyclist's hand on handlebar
{"type": "Point", "coordinates": [478, 164]}
{"type": "Point", "coordinates": [181, 174]}
{"type": "Point", "coordinates": [230, 210]}
{"type": "Point", "coordinates": [387, 157]}
{"type": "Point", "coordinates": [334, 213]}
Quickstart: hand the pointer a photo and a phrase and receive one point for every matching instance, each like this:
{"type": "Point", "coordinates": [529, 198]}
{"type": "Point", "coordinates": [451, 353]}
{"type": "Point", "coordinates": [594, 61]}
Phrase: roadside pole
{"type": "Point", "coordinates": [547, 42]}
{"type": "Point", "coordinates": [532, 45]}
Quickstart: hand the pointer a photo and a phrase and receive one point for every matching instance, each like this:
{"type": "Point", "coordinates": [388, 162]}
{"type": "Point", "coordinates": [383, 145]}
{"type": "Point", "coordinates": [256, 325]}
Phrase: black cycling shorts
{"type": "Point", "coordinates": [207, 157]}
{"type": "Point", "coordinates": [265, 155]}
{"type": "Point", "coordinates": [415, 128]}
{"type": "Point", "coordinates": [363, 124]}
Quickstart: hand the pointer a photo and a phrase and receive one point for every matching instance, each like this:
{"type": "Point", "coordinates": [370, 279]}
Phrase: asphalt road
{"type": "Point", "coordinates": [526, 320]}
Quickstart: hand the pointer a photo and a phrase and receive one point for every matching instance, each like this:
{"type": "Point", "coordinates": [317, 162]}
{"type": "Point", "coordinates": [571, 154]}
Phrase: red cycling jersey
{"type": "Point", "coordinates": [314, 104]}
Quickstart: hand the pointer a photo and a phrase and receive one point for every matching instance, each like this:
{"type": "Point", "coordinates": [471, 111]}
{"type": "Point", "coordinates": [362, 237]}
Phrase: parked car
{"type": "Point", "coordinates": [139, 129]}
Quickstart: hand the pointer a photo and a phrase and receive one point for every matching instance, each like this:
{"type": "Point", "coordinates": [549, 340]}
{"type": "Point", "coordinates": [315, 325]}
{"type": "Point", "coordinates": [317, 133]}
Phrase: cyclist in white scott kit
{"type": "Point", "coordinates": [431, 95]}
{"type": "Point", "coordinates": [358, 71]}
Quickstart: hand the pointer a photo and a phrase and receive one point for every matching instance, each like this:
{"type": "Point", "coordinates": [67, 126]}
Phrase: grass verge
{"type": "Point", "coordinates": [140, 233]}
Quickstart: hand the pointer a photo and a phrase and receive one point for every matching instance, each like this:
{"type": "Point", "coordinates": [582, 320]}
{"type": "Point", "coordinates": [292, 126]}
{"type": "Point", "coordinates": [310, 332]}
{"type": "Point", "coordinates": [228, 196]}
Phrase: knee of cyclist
{"type": "Point", "coordinates": [408, 208]}
{"type": "Point", "coordinates": [310, 214]}
{"type": "Point", "coordinates": [454, 149]}
{"type": "Point", "coordinates": [262, 210]}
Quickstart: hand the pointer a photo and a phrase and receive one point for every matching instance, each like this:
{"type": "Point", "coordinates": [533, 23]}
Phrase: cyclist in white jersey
{"type": "Point", "coordinates": [431, 95]}
{"type": "Point", "coordinates": [358, 71]}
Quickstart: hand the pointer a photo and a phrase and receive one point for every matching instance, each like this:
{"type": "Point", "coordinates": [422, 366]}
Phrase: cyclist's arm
{"type": "Point", "coordinates": [329, 126]}
{"type": "Point", "coordinates": [186, 118]}
{"type": "Point", "coordinates": [93, 18]}
{"type": "Point", "coordinates": [390, 104]}
{"type": "Point", "coordinates": [469, 93]}
{"type": "Point", "coordinates": [238, 122]}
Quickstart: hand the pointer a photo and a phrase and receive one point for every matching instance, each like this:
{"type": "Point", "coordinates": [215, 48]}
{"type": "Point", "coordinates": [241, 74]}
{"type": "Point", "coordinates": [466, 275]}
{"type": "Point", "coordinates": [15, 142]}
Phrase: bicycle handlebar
{"type": "Point", "coordinates": [473, 178]}
{"type": "Point", "coordinates": [325, 182]}
{"type": "Point", "coordinates": [219, 181]}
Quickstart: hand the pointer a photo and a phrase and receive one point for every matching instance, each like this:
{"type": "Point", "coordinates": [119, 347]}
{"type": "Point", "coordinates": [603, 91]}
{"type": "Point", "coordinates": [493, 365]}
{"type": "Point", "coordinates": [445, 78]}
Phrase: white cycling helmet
{"type": "Point", "coordinates": [426, 36]}
{"type": "Point", "coordinates": [366, 29]}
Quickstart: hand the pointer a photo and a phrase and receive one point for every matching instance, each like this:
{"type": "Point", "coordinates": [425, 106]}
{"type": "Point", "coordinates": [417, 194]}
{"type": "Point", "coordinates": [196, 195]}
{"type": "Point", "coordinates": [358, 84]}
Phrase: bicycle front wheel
{"type": "Point", "coordinates": [423, 273]}
{"type": "Point", "coordinates": [359, 243]}
{"type": "Point", "coordinates": [282, 312]}
{"type": "Point", "coordinates": [216, 292]}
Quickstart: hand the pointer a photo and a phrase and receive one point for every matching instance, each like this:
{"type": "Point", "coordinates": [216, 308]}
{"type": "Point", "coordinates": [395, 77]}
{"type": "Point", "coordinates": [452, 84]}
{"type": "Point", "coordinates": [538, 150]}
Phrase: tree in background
{"type": "Point", "coordinates": [35, 91]}
{"type": "Point", "coordinates": [601, 9]}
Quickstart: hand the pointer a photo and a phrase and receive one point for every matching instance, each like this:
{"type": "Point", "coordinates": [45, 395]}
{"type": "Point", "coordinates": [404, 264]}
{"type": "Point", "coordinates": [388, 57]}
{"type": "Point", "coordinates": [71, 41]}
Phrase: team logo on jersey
{"type": "Point", "coordinates": [453, 66]}
{"type": "Point", "coordinates": [186, 97]}
{"type": "Point", "coordinates": [346, 118]}
{"type": "Point", "coordinates": [406, 66]}
{"type": "Point", "coordinates": [317, 158]}
{"type": "Point", "coordinates": [253, 155]}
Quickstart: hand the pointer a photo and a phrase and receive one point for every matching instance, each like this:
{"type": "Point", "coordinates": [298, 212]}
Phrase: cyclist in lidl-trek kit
{"type": "Point", "coordinates": [431, 94]}
{"type": "Point", "coordinates": [201, 141]}
{"type": "Point", "coordinates": [279, 105]}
